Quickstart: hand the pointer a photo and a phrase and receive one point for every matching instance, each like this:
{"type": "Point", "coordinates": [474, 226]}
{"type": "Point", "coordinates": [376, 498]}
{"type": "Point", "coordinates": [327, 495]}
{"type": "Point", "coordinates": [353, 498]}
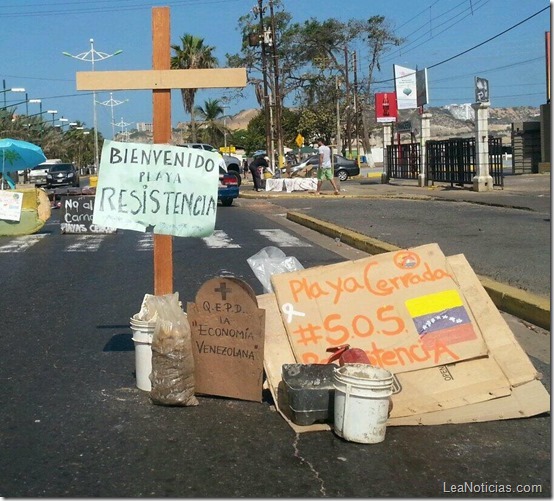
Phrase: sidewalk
{"type": "Point", "coordinates": [509, 248]}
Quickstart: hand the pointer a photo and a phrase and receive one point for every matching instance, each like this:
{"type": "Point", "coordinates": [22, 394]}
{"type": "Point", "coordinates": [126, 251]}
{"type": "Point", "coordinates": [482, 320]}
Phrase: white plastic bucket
{"type": "Point", "coordinates": [143, 333]}
{"type": "Point", "coordinates": [362, 396]}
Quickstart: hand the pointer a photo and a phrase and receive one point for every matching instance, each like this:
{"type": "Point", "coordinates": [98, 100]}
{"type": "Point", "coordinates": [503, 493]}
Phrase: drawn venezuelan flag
{"type": "Point", "coordinates": [441, 316]}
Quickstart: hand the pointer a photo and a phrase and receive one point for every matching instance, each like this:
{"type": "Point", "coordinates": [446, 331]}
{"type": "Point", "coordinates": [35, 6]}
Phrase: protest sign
{"type": "Point", "coordinates": [403, 308]}
{"type": "Point", "coordinates": [77, 216]}
{"type": "Point", "coordinates": [502, 384]}
{"type": "Point", "coordinates": [165, 189]}
{"type": "Point", "coordinates": [10, 205]}
{"type": "Point", "coordinates": [227, 339]}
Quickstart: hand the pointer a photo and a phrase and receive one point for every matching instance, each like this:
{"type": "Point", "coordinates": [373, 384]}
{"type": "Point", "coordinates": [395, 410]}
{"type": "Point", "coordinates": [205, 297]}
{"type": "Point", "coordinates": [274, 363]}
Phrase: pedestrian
{"type": "Point", "coordinates": [244, 168]}
{"type": "Point", "coordinates": [255, 167]}
{"type": "Point", "coordinates": [325, 168]}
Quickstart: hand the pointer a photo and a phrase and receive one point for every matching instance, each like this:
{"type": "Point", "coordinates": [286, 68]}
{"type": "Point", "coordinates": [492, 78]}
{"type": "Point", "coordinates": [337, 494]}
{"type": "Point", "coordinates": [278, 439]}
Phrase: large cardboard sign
{"type": "Point", "coordinates": [502, 385]}
{"type": "Point", "coordinates": [227, 339]}
{"type": "Point", "coordinates": [77, 216]}
{"type": "Point", "coordinates": [403, 308]}
{"type": "Point", "coordinates": [161, 188]}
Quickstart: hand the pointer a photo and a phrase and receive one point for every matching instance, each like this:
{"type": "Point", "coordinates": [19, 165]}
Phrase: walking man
{"type": "Point", "coordinates": [325, 169]}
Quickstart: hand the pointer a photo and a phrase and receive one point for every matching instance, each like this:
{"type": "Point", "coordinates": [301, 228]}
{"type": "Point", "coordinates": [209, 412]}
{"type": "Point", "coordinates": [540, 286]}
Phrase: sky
{"type": "Point", "coordinates": [456, 40]}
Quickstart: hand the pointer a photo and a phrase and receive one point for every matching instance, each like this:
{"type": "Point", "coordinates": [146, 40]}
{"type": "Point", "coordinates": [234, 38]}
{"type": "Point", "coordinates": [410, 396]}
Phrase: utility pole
{"type": "Point", "coordinates": [337, 89]}
{"type": "Point", "coordinates": [267, 108]}
{"type": "Point", "coordinates": [277, 98]}
{"type": "Point", "coordinates": [356, 121]}
{"type": "Point", "coordinates": [347, 92]}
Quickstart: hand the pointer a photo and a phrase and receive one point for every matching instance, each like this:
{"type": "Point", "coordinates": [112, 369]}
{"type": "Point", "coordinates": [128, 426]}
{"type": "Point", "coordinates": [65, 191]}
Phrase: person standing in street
{"type": "Point", "coordinates": [255, 167]}
{"type": "Point", "coordinates": [325, 168]}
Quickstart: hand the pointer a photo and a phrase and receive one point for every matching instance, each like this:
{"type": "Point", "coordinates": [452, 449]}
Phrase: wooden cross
{"type": "Point", "coordinates": [161, 79]}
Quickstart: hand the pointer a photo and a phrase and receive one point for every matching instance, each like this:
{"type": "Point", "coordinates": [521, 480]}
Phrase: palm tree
{"type": "Point", "coordinates": [212, 127]}
{"type": "Point", "coordinates": [190, 55]}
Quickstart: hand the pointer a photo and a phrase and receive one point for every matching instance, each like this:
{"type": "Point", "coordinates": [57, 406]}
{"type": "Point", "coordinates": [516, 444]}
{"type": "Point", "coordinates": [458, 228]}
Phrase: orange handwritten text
{"type": "Point", "coordinates": [304, 289]}
{"type": "Point", "coordinates": [398, 357]}
{"type": "Point", "coordinates": [385, 321]}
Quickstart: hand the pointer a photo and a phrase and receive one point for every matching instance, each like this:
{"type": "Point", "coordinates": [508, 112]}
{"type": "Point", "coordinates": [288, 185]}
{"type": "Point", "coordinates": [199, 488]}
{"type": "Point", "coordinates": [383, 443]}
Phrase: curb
{"type": "Point", "coordinates": [522, 304]}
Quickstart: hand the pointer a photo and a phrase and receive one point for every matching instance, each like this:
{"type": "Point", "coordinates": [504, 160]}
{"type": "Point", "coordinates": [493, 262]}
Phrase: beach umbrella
{"type": "Point", "coordinates": [19, 155]}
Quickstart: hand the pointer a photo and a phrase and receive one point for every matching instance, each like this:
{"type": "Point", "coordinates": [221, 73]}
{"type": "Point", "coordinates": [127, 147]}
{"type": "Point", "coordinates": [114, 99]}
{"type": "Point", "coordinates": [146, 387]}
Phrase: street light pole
{"type": "Point", "coordinates": [52, 112]}
{"type": "Point", "coordinates": [111, 103]}
{"type": "Point", "coordinates": [92, 56]}
{"type": "Point", "coordinates": [13, 89]}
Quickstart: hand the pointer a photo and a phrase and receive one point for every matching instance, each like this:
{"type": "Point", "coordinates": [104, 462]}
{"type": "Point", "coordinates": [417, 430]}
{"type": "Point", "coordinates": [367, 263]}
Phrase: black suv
{"type": "Point", "coordinates": [62, 174]}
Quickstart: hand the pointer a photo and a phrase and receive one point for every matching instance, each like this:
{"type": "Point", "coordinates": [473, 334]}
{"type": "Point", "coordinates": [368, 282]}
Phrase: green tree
{"type": "Point", "coordinates": [192, 54]}
{"type": "Point", "coordinates": [315, 64]}
{"type": "Point", "coordinates": [212, 129]}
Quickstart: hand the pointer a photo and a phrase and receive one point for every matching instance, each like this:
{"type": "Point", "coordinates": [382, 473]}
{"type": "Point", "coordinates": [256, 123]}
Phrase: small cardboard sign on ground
{"type": "Point", "coordinates": [227, 339]}
{"type": "Point", "coordinates": [77, 212]}
{"type": "Point", "coordinates": [404, 308]}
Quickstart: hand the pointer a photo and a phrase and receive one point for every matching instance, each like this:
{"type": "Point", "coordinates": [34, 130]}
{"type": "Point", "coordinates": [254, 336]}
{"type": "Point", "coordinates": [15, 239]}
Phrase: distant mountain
{"type": "Point", "coordinates": [445, 122]}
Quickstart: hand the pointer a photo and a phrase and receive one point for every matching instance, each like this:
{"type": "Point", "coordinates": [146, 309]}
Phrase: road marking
{"type": "Point", "coordinates": [145, 242]}
{"type": "Point", "coordinates": [282, 238]}
{"type": "Point", "coordinates": [220, 240]}
{"type": "Point", "coordinates": [21, 244]}
{"type": "Point", "coordinates": [86, 243]}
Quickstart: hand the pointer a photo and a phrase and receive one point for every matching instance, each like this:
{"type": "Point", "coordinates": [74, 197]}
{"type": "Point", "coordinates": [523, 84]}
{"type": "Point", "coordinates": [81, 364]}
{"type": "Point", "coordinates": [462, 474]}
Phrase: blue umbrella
{"type": "Point", "coordinates": [19, 155]}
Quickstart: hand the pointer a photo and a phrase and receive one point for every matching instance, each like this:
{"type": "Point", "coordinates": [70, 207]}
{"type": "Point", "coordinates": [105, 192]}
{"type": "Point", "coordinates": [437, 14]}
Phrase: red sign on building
{"type": "Point", "coordinates": [386, 108]}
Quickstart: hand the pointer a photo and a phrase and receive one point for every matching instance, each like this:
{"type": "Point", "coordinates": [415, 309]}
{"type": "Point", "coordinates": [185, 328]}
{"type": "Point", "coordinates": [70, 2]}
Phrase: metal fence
{"type": "Point", "coordinates": [450, 161]}
{"type": "Point", "coordinates": [453, 161]}
{"type": "Point", "coordinates": [403, 161]}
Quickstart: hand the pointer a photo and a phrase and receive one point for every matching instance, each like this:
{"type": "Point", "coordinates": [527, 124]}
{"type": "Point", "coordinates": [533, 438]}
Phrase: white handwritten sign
{"type": "Point", "coordinates": [161, 188]}
{"type": "Point", "coordinates": [10, 205]}
{"type": "Point", "coordinates": [76, 216]}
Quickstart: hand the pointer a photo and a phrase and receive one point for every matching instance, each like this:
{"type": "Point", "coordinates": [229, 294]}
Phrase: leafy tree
{"type": "Point", "coordinates": [315, 66]}
{"type": "Point", "coordinates": [212, 128]}
{"type": "Point", "coordinates": [192, 54]}
{"type": "Point", "coordinates": [380, 38]}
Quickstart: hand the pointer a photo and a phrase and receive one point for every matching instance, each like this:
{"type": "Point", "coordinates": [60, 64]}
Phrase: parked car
{"type": "Point", "coordinates": [233, 163]}
{"type": "Point", "coordinates": [37, 175]}
{"type": "Point", "coordinates": [228, 188]}
{"type": "Point", "coordinates": [343, 167]}
{"type": "Point", "coordinates": [62, 174]}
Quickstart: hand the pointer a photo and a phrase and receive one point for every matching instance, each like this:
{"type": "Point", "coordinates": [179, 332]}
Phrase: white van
{"type": "Point", "coordinates": [37, 176]}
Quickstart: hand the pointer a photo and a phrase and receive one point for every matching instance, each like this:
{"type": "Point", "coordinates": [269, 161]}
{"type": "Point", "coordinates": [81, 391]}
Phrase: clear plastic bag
{"type": "Point", "coordinates": [270, 261]}
{"type": "Point", "coordinates": [172, 373]}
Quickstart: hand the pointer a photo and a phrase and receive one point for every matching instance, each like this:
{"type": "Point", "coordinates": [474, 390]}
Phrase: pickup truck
{"type": "Point", "coordinates": [232, 163]}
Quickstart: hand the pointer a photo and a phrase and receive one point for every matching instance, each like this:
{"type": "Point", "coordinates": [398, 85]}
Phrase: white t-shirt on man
{"type": "Point", "coordinates": [326, 159]}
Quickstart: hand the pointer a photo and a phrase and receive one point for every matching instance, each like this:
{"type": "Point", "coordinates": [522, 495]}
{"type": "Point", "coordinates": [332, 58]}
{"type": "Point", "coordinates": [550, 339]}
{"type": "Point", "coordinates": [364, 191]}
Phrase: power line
{"type": "Point", "coordinates": [475, 46]}
{"type": "Point", "coordinates": [489, 40]}
{"type": "Point", "coordinates": [110, 8]}
{"type": "Point", "coordinates": [402, 49]}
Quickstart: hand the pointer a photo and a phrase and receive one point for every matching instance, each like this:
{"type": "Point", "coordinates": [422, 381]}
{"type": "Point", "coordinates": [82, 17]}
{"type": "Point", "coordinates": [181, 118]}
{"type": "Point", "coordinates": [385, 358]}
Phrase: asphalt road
{"type": "Point", "coordinates": [75, 425]}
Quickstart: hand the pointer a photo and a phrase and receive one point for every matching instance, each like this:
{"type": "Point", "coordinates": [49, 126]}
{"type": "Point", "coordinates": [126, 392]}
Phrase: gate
{"type": "Point", "coordinates": [453, 161]}
{"type": "Point", "coordinates": [403, 161]}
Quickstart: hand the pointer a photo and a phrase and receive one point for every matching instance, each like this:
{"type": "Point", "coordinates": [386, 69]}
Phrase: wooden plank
{"type": "Point", "coordinates": [161, 79]}
{"type": "Point", "coordinates": [161, 99]}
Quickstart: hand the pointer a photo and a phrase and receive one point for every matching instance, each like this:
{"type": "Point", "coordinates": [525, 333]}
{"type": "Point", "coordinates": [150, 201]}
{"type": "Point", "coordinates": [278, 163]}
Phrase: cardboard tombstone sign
{"type": "Point", "coordinates": [404, 309]}
{"type": "Point", "coordinates": [227, 339]}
